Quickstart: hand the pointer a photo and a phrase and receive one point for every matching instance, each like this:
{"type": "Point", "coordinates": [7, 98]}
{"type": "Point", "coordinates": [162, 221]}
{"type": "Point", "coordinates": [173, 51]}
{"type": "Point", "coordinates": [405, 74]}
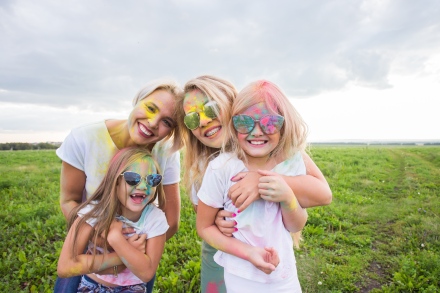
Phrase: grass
{"type": "Point", "coordinates": [380, 234]}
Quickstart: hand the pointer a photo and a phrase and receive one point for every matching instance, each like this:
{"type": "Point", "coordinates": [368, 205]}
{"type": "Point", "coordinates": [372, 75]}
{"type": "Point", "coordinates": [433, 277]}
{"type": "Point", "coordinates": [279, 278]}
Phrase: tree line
{"type": "Point", "coordinates": [16, 146]}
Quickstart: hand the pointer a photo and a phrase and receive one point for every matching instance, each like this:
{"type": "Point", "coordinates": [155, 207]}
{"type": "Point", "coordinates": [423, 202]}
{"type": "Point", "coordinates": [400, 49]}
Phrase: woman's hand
{"type": "Point", "coordinates": [245, 191]}
{"type": "Point", "coordinates": [273, 187]}
{"type": "Point", "coordinates": [265, 259]}
{"type": "Point", "coordinates": [225, 226]}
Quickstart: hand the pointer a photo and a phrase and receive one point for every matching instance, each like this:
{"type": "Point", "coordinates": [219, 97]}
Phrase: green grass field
{"type": "Point", "coordinates": [380, 234]}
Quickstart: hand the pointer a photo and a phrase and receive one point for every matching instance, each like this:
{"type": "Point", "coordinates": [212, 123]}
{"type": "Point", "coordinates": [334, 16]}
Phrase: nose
{"type": "Point", "coordinates": [154, 121]}
{"type": "Point", "coordinates": [204, 120]}
{"type": "Point", "coordinates": [144, 186]}
{"type": "Point", "coordinates": [257, 131]}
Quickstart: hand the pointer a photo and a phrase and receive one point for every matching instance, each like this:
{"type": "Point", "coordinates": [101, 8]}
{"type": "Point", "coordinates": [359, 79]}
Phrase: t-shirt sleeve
{"type": "Point", "coordinates": [213, 187]}
{"type": "Point", "coordinates": [156, 222]}
{"type": "Point", "coordinates": [171, 174]}
{"type": "Point", "coordinates": [71, 152]}
{"type": "Point", "coordinates": [85, 210]}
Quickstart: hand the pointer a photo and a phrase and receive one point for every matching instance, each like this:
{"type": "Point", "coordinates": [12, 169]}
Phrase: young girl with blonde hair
{"type": "Point", "coordinates": [123, 199]}
{"type": "Point", "coordinates": [268, 137]}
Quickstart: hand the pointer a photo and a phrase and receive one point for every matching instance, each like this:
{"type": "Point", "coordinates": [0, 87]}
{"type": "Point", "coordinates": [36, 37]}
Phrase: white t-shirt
{"type": "Point", "coordinates": [152, 222]}
{"type": "Point", "coordinates": [90, 149]}
{"type": "Point", "coordinates": [259, 225]}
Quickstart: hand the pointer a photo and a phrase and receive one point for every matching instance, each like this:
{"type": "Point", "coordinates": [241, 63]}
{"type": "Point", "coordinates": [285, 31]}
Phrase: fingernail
{"type": "Point", "coordinates": [235, 229]}
{"type": "Point", "coordinates": [235, 224]}
{"type": "Point", "coordinates": [238, 211]}
{"type": "Point", "coordinates": [233, 215]}
{"type": "Point", "coordinates": [232, 178]}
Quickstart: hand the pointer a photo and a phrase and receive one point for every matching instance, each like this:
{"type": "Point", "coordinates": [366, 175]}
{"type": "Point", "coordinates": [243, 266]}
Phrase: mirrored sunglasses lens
{"type": "Point", "coordinates": [191, 120]}
{"type": "Point", "coordinates": [271, 124]}
{"type": "Point", "coordinates": [154, 179]}
{"type": "Point", "coordinates": [243, 123]}
{"type": "Point", "coordinates": [132, 178]}
{"type": "Point", "coordinates": [211, 110]}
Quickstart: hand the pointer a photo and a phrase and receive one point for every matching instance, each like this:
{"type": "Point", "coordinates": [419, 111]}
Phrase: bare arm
{"type": "Point", "coordinates": [273, 187]}
{"type": "Point", "coordinates": [311, 189]}
{"type": "Point", "coordinates": [74, 264]}
{"type": "Point", "coordinates": [261, 258]}
{"type": "Point", "coordinates": [172, 208]}
{"type": "Point", "coordinates": [72, 183]}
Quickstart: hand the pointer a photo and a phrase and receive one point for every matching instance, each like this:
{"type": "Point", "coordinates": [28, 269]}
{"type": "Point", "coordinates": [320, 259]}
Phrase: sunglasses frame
{"type": "Point", "coordinates": [211, 104]}
{"type": "Point", "coordinates": [146, 178]}
{"type": "Point", "coordinates": [259, 122]}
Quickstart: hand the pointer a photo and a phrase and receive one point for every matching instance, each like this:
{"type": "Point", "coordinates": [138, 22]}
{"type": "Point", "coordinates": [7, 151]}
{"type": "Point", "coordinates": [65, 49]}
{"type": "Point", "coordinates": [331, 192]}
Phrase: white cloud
{"type": "Point", "coordinates": [96, 54]}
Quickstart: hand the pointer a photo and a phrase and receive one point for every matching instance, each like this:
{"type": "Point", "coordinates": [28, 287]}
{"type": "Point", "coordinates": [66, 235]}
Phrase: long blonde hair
{"type": "Point", "coordinates": [197, 155]}
{"type": "Point", "coordinates": [293, 134]}
{"type": "Point", "coordinates": [173, 88]}
{"type": "Point", "coordinates": [108, 204]}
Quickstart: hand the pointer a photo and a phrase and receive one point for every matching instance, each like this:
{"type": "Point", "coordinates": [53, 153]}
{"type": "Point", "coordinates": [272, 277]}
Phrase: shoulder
{"type": "Point", "coordinates": [224, 159]}
{"type": "Point", "coordinates": [90, 127]}
{"type": "Point", "coordinates": [291, 166]}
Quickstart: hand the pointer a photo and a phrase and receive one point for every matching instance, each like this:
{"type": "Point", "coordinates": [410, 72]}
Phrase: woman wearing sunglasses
{"type": "Point", "coordinates": [205, 113]}
{"type": "Point", "coordinates": [123, 199]}
{"type": "Point", "coordinates": [88, 149]}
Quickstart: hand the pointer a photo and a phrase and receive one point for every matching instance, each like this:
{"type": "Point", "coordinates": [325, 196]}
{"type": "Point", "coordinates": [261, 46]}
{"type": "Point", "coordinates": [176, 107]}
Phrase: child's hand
{"type": "Point", "coordinates": [138, 242]}
{"type": "Point", "coordinates": [265, 259]}
{"type": "Point", "coordinates": [245, 191]}
{"type": "Point", "coordinates": [273, 187]}
{"type": "Point", "coordinates": [225, 226]}
{"type": "Point", "coordinates": [115, 231]}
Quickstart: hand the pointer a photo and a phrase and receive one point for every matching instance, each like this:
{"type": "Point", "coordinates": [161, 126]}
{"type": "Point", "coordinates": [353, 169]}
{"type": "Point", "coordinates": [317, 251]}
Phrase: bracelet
{"type": "Point", "coordinates": [115, 271]}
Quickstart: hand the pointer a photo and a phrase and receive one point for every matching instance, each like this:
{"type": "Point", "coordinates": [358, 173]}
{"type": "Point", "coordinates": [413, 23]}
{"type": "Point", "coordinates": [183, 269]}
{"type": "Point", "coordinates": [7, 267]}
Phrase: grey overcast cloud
{"type": "Point", "coordinates": [353, 69]}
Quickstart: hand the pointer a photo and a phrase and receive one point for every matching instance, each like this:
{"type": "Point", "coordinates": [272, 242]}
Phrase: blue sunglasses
{"type": "Point", "coordinates": [133, 179]}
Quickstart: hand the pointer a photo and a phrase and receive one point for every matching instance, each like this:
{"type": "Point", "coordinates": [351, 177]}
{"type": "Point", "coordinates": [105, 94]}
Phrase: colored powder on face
{"type": "Point", "coordinates": [194, 102]}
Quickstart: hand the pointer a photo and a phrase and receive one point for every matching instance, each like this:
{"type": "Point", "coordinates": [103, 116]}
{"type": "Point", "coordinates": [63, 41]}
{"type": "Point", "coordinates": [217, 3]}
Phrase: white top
{"type": "Point", "coordinates": [259, 225]}
{"type": "Point", "coordinates": [152, 222]}
{"type": "Point", "coordinates": [90, 149]}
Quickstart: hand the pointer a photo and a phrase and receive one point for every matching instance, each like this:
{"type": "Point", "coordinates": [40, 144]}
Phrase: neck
{"type": "Point", "coordinates": [260, 163]}
{"type": "Point", "coordinates": [118, 130]}
{"type": "Point", "coordinates": [132, 216]}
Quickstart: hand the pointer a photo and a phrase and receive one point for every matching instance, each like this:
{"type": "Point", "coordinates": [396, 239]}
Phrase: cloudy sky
{"type": "Point", "coordinates": [353, 69]}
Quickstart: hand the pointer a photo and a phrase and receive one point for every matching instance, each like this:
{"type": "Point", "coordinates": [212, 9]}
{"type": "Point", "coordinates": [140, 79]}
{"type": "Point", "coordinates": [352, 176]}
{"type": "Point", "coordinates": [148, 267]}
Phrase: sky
{"type": "Point", "coordinates": [354, 70]}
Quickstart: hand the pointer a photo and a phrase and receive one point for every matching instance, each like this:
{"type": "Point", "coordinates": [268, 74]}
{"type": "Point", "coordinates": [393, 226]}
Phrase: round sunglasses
{"type": "Point", "coordinates": [192, 119]}
{"type": "Point", "coordinates": [269, 124]}
{"type": "Point", "coordinates": [133, 179]}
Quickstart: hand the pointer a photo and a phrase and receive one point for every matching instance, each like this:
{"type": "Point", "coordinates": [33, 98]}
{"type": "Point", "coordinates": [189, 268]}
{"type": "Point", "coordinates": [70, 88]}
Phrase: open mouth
{"type": "Point", "coordinates": [138, 198]}
{"type": "Point", "coordinates": [145, 130]}
{"type": "Point", "coordinates": [212, 131]}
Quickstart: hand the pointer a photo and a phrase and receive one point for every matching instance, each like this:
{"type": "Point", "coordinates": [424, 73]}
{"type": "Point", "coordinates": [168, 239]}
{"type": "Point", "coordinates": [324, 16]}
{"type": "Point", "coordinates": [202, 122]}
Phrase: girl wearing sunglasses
{"type": "Point", "coordinates": [205, 114]}
{"type": "Point", "coordinates": [268, 137]}
{"type": "Point", "coordinates": [123, 199]}
{"type": "Point", "coordinates": [88, 149]}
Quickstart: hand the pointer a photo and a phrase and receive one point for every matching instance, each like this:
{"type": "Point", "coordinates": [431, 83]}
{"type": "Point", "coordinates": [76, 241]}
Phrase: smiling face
{"type": "Point", "coordinates": [152, 118]}
{"type": "Point", "coordinates": [210, 131]}
{"type": "Point", "coordinates": [135, 198]}
{"type": "Point", "coordinates": [257, 144]}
